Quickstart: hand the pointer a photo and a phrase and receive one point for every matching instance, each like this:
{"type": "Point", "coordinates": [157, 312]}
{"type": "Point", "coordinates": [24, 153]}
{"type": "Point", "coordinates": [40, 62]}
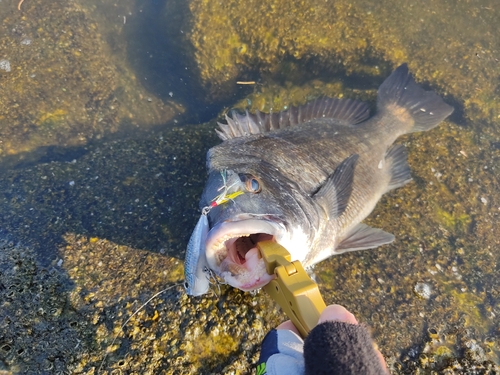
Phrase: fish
{"type": "Point", "coordinates": [308, 176]}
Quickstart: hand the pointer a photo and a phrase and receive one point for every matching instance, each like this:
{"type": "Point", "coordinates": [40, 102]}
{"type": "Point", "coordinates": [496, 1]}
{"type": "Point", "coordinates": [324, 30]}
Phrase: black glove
{"type": "Point", "coordinates": [332, 347]}
{"type": "Point", "coordinates": [341, 348]}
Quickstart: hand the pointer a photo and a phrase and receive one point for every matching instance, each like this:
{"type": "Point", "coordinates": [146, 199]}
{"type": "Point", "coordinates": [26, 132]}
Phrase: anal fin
{"type": "Point", "coordinates": [398, 168]}
{"type": "Point", "coordinates": [363, 237]}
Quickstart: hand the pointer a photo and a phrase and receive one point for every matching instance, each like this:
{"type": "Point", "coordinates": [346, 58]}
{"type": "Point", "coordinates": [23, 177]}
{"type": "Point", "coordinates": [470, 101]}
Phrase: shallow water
{"type": "Point", "coordinates": [106, 113]}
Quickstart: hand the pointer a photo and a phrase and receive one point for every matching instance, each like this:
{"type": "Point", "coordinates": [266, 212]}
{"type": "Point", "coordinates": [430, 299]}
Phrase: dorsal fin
{"type": "Point", "coordinates": [343, 111]}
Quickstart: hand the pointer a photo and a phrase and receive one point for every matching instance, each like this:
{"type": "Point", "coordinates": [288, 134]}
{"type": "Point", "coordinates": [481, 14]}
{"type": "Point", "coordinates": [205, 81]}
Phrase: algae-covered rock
{"type": "Point", "coordinates": [454, 46]}
{"type": "Point", "coordinates": [64, 84]}
{"type": "Point", "coordinates": [39, 332]}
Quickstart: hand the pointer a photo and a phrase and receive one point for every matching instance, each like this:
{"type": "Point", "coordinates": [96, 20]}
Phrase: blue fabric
{"type": "Point", "coordinates": [269, 346]}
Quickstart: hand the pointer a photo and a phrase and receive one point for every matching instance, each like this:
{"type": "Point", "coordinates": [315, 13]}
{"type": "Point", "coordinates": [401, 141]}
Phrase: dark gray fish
{"type": "Point", "coordinates": [308, 176]}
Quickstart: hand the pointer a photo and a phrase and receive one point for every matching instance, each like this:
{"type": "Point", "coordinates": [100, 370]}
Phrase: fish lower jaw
{"type": "Point", "coordinates": [249, 276]}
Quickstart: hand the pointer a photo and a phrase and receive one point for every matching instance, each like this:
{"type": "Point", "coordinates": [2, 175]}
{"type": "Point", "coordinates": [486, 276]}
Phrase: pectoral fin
{"type": "Point", "coordinates": [334, 195]}
{"type": "Point", "coordinates": [363, 237]}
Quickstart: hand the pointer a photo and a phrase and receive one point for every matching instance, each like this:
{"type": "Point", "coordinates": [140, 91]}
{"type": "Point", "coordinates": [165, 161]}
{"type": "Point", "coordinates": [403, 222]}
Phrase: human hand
{"type": "Point", "coordinates": [331, 312]}
{"type": "Point", "coordinates": [338, 343]}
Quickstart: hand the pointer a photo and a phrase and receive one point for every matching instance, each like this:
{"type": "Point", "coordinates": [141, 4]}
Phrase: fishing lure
{"type": "Point", "coordinates": [223, 198]}
{"type": "Point", "coordinates": [196, 271]}
{"type": "Point", "coordinates": [197, 274]}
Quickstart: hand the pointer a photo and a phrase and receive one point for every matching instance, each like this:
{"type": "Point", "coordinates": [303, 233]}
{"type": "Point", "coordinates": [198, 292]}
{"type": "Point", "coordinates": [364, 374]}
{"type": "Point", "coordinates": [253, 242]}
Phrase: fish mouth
{"type": "Point", "coordinates": [231, 250]}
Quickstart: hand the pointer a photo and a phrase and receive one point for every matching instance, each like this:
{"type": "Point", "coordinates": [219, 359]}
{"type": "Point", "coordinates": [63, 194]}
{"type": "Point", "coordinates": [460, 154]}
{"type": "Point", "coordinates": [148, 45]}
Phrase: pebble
{"type": "Point", "coordinates": [5, 65]}
{"type": "Point", "coordinates": [422, 290]}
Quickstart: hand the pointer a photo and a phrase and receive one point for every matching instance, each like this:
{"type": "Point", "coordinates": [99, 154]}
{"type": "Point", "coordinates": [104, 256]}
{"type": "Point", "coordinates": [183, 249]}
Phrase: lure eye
{"type": "Point", "coordinates": [251, 183]}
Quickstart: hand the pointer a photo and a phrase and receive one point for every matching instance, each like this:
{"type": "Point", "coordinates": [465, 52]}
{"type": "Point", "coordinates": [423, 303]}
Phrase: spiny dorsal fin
{"type": "Point", "coordinates": [334, 195]}
{"type": "Point", "coordinates": [343, 111]}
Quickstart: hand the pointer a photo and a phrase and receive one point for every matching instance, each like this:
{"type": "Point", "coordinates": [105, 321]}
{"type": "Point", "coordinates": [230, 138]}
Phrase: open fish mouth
{"type": "Point", "coordinates": [231, 251]}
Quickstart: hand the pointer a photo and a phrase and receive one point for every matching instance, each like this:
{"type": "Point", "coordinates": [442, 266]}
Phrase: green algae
{"type": "Point", "coordinates": [275, 97]}
{"type": "Point", "coordinates": [274, 32]}
{"type": "Point", "coordinates": [211, 349]}
{"type": "Point", "coordinates": [50, 120]}
{"type": "Point", "coordinates": [453, 221]}
{"type": "Point", "coordinates": [470, 303]}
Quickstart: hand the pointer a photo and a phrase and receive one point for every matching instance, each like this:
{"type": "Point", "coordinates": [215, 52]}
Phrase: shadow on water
{"type": "Point", "coordinates": [164, 60]}
{"type": "Point", "coordinates": [141, 193]}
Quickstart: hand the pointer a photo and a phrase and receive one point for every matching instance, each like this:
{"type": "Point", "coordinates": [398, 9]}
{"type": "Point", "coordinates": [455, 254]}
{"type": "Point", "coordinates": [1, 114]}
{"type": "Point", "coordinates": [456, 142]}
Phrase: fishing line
{"type": "Point", "coordinates": [130, 317]}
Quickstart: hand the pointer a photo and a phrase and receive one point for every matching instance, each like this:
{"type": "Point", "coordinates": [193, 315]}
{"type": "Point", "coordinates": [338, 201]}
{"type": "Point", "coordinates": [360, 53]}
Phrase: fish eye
{"type": "Point", "coordinates": [252, 184]}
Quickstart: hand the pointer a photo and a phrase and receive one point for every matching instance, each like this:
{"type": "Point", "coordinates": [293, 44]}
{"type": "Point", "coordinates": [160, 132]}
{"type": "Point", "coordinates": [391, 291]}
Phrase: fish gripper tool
{"type": "Point", "coordinates": [296, 293]}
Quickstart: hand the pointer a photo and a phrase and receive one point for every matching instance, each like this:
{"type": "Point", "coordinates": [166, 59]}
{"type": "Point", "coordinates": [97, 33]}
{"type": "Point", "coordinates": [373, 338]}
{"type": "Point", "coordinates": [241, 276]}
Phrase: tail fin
{"type": "Point", "coordinates": [403, 98]}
